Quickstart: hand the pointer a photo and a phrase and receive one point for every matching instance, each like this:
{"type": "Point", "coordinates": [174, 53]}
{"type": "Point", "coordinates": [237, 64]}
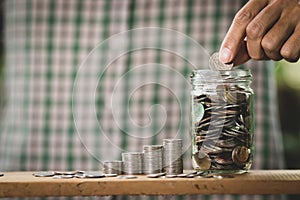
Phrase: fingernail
{"type": "Point", "coordinates": [225, 55]}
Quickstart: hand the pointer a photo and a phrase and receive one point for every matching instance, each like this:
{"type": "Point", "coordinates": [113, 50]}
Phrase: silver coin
{"type": "Point", "coordinates": [93, 174]}
{"type": "Point", "coordinates": [153, 159]}
{"type": "Point", "coordinates": [182, 175]}
{"type": "Point", "coordinates": [171, 176]}
{"type": "Point", "coordinates": [132, 162]}
{"type": "Point", "coordinates": [63, 176]}
{"type": "Point", "coordinates": [191, 175]}
{"type": "Point", "coordinates": [113, 167]}
{"type": "Point", "coordinates": [65, 172]}
{"type": "Point", "coordinates": [67, 176]}
{"type": "Point", "coordinates": [111, 175]}
{"type": "Point", "coordinates": [56, 177]}
{"type": "Point", "coordinates": [216, 65]}
{"type": "Point", "coordinates": [173, 163]}
{"type": "Point", "coordinates": [44, 174]}
{"type": "Point", "coordinates": [80, 172]}
{"type": "Point", "coordinates": [198, 111]}
{"type": "Point", "coordinates": [80, 175]}
{"type": "Point", "coordinates": [127, 177]}
{"type": "Point", "coordinates": [156, 175]}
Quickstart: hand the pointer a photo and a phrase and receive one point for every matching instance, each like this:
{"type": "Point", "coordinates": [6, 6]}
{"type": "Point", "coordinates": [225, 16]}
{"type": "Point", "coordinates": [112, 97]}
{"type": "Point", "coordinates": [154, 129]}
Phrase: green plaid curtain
{"type": "Point", "coordinates": [76, 93]}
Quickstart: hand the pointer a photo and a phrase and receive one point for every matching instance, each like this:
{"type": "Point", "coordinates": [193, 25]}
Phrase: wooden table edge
{"type": "Point", "coordinates": [23, 184]}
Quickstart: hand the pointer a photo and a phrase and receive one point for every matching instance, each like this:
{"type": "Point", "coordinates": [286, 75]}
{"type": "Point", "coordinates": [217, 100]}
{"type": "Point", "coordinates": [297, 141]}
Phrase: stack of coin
{"type": "Point", "coordinates": [173, 163]}
{"type": "Point", "coordinates": [112, 167]}
{"type": "Point", "coordinates": [132, 162]}
{"type": "Point", "coordinates": [153, 159]}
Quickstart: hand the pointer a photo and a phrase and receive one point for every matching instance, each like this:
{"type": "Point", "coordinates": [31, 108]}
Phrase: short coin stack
{"type": "Point", "coordinates": [153, 159]}
{"type": "Point", "coordinates": [112, 167]}
{"type": "Point", "coordinates": [173, 163]}
{"type": "Point", "coordinates": [132, 162]}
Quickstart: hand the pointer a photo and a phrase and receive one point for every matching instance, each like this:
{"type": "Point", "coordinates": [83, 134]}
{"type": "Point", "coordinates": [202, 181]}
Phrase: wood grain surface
{"type": "Point", "coordinates": [23, 184]}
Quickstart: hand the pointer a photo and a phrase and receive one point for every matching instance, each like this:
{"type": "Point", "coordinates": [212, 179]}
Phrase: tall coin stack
{"type": "Point", "coordinates": [132, 162]}
{"type": "Point", "coordinates": [173, 163]}
{"type": "Point", "coordinates": [153, 159]}
{"type": "Point", "coordinates": [112, 167]}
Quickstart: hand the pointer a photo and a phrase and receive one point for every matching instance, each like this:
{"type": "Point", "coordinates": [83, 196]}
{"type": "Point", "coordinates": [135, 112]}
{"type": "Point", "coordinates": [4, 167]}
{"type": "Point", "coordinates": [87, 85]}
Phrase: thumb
{"type": "Point", "coordinates": [242, 55]}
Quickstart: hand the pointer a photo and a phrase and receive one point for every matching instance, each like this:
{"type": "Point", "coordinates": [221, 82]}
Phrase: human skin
{"type": "Point", "coordinates": [263, 30]}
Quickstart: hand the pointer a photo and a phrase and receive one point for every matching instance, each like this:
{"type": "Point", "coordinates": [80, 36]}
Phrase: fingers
{"type": "Point", "coordinates": [237, 30]}
{"type": "Point", "coordinates": [258, 27]}
{"type": "Point", "coordinates": [242, 55]}
{"type": "Point", "coordinates": [291, 49]}
{"type": "Point", "coordinates": [272, 29]}
{"type": "Point", "coordinates": [273, 41]}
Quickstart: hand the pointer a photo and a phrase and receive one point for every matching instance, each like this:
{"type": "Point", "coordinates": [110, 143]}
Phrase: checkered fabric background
{"type": "Point", "coordinates": [80, 89]}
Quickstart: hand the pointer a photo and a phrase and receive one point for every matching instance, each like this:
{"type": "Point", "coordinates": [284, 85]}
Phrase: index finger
{"type": "Point", "coordinates": [237, 31]}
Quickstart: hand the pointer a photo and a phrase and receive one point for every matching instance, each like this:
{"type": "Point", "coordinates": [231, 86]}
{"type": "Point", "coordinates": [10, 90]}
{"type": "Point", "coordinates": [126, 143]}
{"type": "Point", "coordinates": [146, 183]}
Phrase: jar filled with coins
{"type": "Point", "coordinates": [222, 121]}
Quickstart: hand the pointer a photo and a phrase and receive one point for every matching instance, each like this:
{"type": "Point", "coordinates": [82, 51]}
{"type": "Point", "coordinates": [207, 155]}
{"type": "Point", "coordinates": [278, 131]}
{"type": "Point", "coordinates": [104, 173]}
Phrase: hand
{"type": "Point", "coordinates": [262, 30]}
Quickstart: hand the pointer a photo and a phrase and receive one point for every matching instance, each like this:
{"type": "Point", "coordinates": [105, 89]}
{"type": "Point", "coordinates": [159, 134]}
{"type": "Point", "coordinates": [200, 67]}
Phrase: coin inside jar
{"type": "Point", "coordinates": [240, 154]}
{"type": "Point", "coordinates": [202, 160]}
{"type": "Point", "coordinates": [225, 121]}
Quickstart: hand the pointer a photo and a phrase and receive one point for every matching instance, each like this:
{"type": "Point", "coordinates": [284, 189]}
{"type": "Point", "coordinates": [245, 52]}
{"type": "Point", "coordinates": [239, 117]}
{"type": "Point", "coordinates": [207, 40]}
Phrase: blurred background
{"type": "Point", "coordinates": [288, 86]}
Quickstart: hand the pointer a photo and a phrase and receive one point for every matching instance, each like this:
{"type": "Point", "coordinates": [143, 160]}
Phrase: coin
{"type": "Point", "coordinates": [111, 175]}
{"type": "Point", "coordinates": [66, 176]}
{"type": "Point", "coordinates": [127, 177]}
{"type": "Point", "coordinates": [198, 111]}
{"type": "Point", "coordinates": [57, 177]}
{"type": "Point", "coordinates": [173, 163]}
{"type": "Point", "coordinates": [171, 176]}
{"type": "Point", "coordinates": [181, 175]}
{"type": "Point", "coordinates": [44, 174]}
{"type": "Point", "coordinates": [1, 174]}
{"type": "Point", "coordinates": [132, 162]}
{"type": "Point", "coordinates": [79, 175]}
{"type": "Point", "coordinates": [225, 125]}
{"type": "Point", "coordinates": [113, 167]}
{"type": "Point", "coordinates": [156, 175]}
{"type": "Point", "coordinates": [93, 174]}
{"type": "Point", "coordinates": [65, 172]}
{"type": "Point", "coordinates": [202, 160]}
{"type": "Point", "coordinates": [216, 65]}
{"type": "Point", "coordinates": [240, 154]}
{"type": "Point", "coordinates": [153, 159]}
{"type": "Point", "coordinates": [191, 175]}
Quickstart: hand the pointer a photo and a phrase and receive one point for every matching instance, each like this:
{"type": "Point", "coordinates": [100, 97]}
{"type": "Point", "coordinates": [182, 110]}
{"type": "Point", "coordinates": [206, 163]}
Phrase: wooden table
{"type": "Point", "coordinates": [23, 184]}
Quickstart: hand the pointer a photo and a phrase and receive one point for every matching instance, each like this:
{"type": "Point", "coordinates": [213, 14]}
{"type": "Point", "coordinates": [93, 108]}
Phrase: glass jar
{"type": "Point", "coordinates": [222, 121]}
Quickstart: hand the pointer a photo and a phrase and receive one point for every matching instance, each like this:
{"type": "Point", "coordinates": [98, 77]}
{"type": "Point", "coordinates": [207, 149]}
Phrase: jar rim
{"type": "Point", "coordinates": [201, 76]}
{"type": "Point", "coordinates": [236, 72]}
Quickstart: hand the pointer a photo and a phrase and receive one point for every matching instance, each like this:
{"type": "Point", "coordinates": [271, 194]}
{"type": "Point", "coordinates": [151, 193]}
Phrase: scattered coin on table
{"type": "Point", "coordinates": [127, 177]}
{"type": "Point", "coordinates": [44, 174]}
{"type": "Point", "coordinates": [157, 175]}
